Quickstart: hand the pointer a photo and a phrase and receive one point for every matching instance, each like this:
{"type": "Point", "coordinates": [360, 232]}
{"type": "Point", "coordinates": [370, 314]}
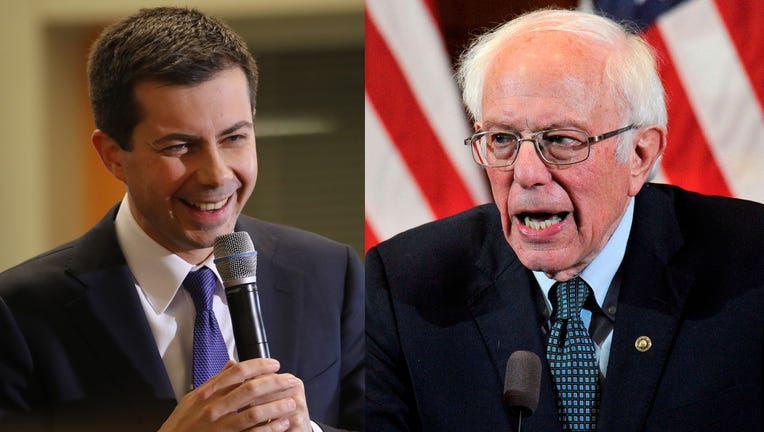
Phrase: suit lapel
{"type": "Point", "coordinates": [506, 306]}
{"type": "Point", "coordinates": [650, 303]}
{"type": "Point", "coordinates": [110, 315]}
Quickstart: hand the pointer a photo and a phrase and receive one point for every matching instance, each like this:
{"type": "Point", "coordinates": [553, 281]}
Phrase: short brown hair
{"type": "Point", "coordinates": [172, 45]}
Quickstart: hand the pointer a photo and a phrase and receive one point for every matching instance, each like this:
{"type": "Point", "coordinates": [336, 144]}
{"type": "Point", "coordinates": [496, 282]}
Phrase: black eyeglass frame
{"type": "Point", "coordinates": [535, 139]}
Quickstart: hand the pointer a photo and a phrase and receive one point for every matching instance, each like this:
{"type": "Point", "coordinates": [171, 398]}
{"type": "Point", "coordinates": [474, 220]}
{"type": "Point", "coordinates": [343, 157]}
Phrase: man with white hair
{"type": "Point", "coordinates": [642, 301]}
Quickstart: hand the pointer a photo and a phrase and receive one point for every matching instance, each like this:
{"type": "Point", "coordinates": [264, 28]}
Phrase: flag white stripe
{"type": "Point", "coordinates": [720, 93]}
{"type": "Point", "coordinates": [415, 42]}
{"type": "Point", "coordinates": [659, 175]}
{"type": "Point", "coordinates": [393, 200]}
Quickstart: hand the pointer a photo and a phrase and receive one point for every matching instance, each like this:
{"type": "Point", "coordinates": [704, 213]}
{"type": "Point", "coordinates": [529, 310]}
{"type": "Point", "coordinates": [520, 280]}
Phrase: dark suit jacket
{"type": "Point", "coordinates": [76, 349]}
{"type": "Point", "coordinates": [447, 303]}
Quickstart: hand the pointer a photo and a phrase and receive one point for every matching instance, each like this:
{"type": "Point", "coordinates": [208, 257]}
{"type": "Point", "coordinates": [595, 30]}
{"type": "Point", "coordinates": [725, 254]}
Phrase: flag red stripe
{"type": "Point", "coordinates": [744, 25]}
{"type": "Point", "coordinates": [408, 127]}
{"type": "Point", "coordinates": [370, 238]}
{"type": "Point", "coordinates": [687, 146]}
{"type": "Point", "coordinates": [432, 9]}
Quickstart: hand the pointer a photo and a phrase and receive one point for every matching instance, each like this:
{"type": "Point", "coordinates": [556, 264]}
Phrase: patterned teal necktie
{"type": "Point", "coordinates": [210, 352]}
{"type": "Point", "coordinates": [570, 353]}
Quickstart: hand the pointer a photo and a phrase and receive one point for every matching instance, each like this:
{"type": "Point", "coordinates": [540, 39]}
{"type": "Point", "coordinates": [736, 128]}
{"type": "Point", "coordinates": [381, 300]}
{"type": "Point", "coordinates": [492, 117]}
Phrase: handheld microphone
{"type": "Point", "coordinates": [521, 384]}
{"type": "Point", "coordinates": [236, 261]}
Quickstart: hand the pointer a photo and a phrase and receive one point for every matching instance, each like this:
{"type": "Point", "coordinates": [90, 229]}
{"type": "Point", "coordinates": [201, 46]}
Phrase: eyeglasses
{"type": "Point", "coordinates": [497, 149]}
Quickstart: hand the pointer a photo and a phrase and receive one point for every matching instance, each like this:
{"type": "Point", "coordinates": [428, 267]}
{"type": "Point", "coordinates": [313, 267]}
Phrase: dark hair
{"type": "Point", "coordinates": [172, 45]}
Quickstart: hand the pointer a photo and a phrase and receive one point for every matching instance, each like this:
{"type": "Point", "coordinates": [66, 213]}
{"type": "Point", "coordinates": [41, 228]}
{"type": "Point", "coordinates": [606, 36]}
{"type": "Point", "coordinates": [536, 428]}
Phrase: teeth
{"type": "Point", "coordinates": [541, 224]}
{"type": "Point", "coordinates": [209, 206]}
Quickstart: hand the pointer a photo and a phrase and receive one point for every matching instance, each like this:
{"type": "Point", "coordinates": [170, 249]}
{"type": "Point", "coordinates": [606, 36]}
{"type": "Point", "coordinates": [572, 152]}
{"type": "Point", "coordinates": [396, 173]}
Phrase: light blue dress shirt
{"type": "Point", "coordinates": [599, 275]}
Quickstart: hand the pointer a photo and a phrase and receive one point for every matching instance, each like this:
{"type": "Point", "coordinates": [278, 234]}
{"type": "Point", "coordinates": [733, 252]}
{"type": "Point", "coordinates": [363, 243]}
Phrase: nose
{"type": "Point", "coordinates": [529, 169]}
{"type": "Point", "coordinates": [212, 169]}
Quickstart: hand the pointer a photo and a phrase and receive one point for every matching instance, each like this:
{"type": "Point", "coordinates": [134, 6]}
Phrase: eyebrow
{"type": "Point", "coordinates": [495, 126]}
{"type": "Point", "coordinates": [195, 138]}
{"type": "Point", "coordinates": [235, 127]}
{"type": "Point", "coordinates": [567, 124]}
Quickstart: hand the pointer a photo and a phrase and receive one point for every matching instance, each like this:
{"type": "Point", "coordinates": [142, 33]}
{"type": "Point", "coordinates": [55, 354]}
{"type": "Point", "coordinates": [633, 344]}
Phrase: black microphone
{"type": "Point", "coordinates": [236, 261]}
{"type": "Point", "coordinates": [521, 384]}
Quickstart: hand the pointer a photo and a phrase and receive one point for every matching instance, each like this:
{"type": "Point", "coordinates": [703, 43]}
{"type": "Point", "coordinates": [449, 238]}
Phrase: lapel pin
{"type": "Point", "coordinates": [643, 344]}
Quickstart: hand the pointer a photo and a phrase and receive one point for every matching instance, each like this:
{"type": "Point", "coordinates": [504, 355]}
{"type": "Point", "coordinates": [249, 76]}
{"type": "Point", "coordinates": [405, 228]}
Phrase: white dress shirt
{"type": "Point", "coordinates": [169, 309]}
{"type": "Point", "coordinates": [599, 276]}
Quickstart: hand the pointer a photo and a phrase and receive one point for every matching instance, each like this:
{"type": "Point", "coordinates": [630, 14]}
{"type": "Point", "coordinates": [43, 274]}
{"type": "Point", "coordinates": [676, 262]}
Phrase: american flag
{"type": "Point", "coordinates": [711, 62]}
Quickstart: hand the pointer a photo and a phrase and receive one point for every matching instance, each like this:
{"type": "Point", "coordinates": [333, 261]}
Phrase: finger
{"type": "Point", "coordinates": [293, 387]}
{"type": "Point", "coordinates": [240, 372]}
{"type": "Point", "coordinates": [299, 420]}
{"type": "Point", "coordinates": [260, 390]}
{"type": "Point", "coordinates": [262, 417]}
{"type": "Point", "coordinates": [280, 425]}
{"type": "Point", "coordinates": [288, 386]}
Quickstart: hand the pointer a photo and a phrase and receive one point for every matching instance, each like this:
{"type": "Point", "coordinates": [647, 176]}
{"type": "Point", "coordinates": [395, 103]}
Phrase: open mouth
{"type": "Point", "coordinates": [541, 221]}
{"type": "Point", "coordinates": [207, 206]}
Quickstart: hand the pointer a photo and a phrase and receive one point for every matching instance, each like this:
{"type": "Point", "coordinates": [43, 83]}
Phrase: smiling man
{"type": "Point", "coordinates": [127, 327]}
{"type": "Point", "coordinates": [642, 301]}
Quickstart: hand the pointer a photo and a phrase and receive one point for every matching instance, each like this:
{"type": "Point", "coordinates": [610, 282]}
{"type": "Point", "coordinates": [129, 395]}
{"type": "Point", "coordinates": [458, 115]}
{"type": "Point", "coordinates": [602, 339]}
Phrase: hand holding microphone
{"type": "Point", "coordinates": [250, 393]}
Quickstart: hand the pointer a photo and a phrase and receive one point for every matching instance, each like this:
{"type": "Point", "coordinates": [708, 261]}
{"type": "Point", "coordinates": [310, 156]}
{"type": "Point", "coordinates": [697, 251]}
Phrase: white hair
{"type": "Point", "coordinates": [630, 64]}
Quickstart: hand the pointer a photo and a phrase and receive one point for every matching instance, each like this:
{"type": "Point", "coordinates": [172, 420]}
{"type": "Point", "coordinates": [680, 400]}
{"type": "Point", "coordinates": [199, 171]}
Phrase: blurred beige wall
{"type": "Point", "coordinates": [44, 151]}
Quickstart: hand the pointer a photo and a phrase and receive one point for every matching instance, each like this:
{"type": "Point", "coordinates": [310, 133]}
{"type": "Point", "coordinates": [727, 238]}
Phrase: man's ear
{"type": "Point", "coordinates": [650, 142]}
{"type": "Point", "coordinates": [110, 153]}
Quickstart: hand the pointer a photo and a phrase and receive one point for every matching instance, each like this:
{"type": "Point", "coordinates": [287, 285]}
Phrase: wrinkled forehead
{"type": "Point", "coordinates": [560, 69]}
{"type": "Point", "coordinates": [550, 57]}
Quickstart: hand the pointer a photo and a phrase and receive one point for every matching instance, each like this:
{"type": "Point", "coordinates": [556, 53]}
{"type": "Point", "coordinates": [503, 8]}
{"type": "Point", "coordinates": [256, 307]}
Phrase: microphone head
{"type": "Point", "coordinates": [522, 382]}
{"type": "Point", "coordinates": [235, 258]}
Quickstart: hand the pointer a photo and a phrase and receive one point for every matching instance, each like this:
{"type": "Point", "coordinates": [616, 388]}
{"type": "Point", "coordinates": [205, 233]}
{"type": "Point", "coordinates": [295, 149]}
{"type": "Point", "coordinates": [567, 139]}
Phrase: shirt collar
{"type": "Point", "coordinates": [600, 272]}
{"type": "Point", "coordinates": [158, 272]}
